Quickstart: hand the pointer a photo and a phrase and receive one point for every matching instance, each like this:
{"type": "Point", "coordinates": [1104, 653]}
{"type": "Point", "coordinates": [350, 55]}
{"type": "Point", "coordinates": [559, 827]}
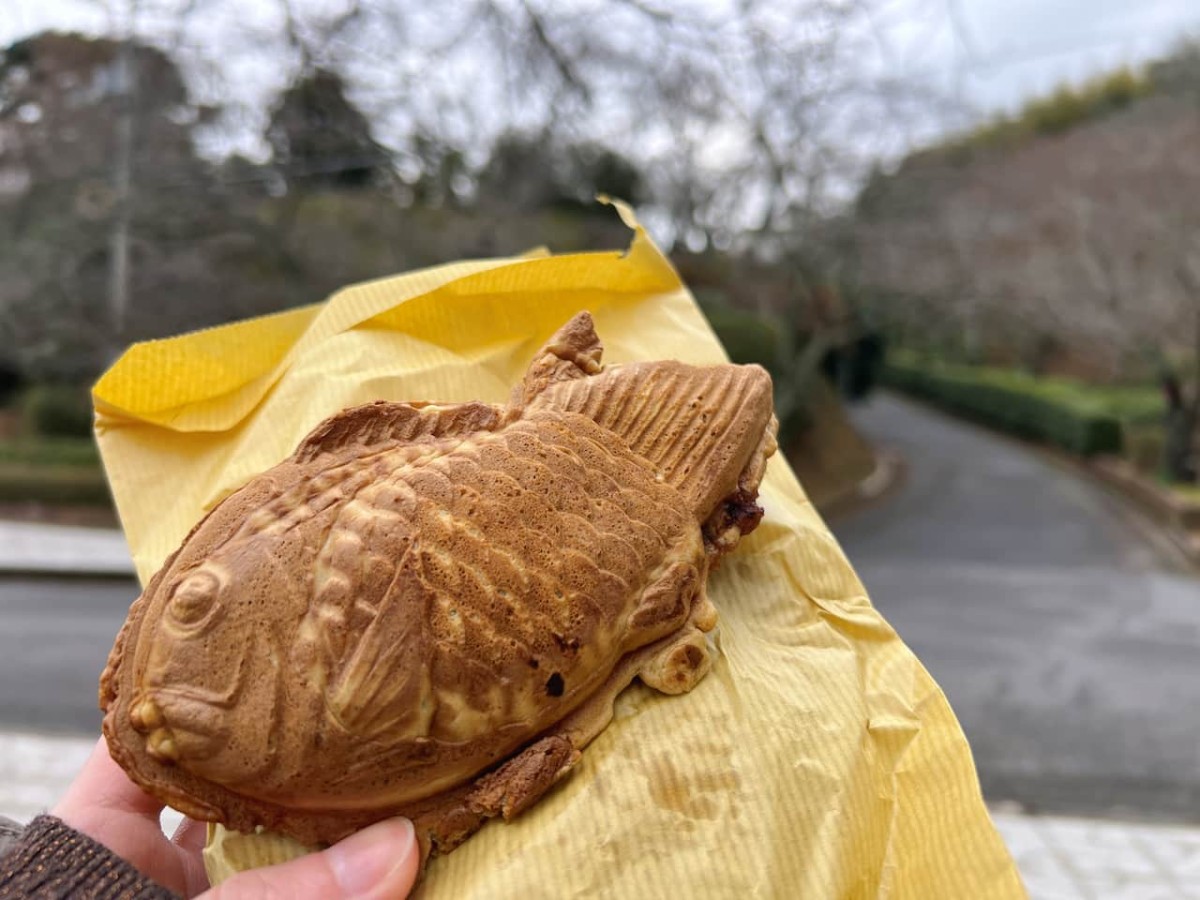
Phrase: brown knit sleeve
{"type": "Point", "coordinates": [51, 861]}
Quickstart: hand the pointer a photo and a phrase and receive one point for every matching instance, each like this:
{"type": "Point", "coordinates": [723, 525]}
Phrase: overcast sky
{"type": "Point", "coordinates": [990, 54]}
{"type": "Point", "coordinates": [998, 53]}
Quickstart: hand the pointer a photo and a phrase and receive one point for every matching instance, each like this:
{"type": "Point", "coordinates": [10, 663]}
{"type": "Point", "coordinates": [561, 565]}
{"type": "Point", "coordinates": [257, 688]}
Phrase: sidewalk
{"type": "Point", "coordinates": [36, 769]}
{"type": "Point", "coordinates": [1092, 859]}
{"type": "Point", "coordinates": [30, 548]}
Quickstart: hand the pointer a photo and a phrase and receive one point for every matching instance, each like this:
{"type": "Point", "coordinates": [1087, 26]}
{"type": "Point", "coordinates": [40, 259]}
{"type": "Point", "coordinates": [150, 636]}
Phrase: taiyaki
{"type": "Point", "coordinates": [428, 610]}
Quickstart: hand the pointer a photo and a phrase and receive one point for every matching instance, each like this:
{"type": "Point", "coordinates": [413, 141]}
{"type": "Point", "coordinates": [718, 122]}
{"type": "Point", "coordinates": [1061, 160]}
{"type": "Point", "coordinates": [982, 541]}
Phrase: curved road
{"type": "Point", "coordinates": [1063, 631]}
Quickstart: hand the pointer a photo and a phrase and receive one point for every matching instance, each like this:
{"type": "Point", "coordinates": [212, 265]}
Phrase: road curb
{"type": "Point", "coordinates": [881, 482]}
{"type": "Point", "coordinates": [1165, 510]}
{"type": "Point", "coordinates": [52, 573]}
{"type": "Point", "coordinates": [36, 550]}
{"type": "Point", "coordinates": [1181, 549]}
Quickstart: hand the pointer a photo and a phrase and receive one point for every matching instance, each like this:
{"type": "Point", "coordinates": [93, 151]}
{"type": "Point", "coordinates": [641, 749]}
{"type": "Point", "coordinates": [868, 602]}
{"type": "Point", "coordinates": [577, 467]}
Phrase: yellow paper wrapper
{"type": "Point", "coordinates": [228, 852]}
{"type": "Point", "coordinates": [817, 759]}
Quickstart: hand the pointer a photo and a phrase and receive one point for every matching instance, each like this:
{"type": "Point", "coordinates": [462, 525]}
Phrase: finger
{"type": "Point", "coordinates": [191, 835]}
{"type": "Point", "coordinates": [101, 783]}
{"type": "Point", "coordinates": [105, 805]}
{"type": "Point", "coordinates": [378, 862]}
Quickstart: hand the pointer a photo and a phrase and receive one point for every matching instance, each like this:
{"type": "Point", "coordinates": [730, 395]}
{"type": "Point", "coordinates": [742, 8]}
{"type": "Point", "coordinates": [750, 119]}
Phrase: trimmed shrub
{"type": "Point", "coordinates": [747, 337]}
{"type": "Point", "coordinates": [1008, 403]}
{"type": "Point", "coordinates": [76, 486]}
{"type": "Point", "coordinates": [57, 410]}
{"type": "Point", "coordinates": [10, 382]}
{"type": "Point", "coordinates": [51, 451]}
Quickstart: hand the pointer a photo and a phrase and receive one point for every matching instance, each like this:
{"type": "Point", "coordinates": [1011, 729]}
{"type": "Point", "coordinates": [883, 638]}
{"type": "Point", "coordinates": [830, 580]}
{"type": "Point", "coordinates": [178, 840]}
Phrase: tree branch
{"type": "Point", "coordinates": [563, 63]}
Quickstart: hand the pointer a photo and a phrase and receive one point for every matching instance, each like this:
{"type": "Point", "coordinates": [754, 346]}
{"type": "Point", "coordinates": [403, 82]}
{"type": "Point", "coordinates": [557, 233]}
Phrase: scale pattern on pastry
{"type": "Point", "coordinates": [428, 610]}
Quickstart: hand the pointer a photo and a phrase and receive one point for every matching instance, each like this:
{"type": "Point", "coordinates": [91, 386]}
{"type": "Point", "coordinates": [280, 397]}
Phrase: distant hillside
{"type": "Point", "coordinates": [1065, 238]}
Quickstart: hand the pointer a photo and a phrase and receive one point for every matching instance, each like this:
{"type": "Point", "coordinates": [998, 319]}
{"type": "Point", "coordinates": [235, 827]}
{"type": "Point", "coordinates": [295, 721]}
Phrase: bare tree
{"type": "Point", "coordinates": [746, 117]}
{"type": "Point", "coordinates": [1088, 241]}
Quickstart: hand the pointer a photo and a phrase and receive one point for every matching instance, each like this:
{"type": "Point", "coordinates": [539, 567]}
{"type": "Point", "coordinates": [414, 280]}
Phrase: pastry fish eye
{"type": "Point", "coordinates": [194, 597]}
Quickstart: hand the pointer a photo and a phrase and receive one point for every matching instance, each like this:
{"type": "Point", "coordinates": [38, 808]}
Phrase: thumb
{"type": "Point", "coordinates": [376, 863]}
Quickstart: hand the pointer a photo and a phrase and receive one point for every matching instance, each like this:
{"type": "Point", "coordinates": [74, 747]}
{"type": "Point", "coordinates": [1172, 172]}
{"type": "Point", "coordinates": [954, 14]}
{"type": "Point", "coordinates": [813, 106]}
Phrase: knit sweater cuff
{"type": "Point", "coordinates": [51, 860]}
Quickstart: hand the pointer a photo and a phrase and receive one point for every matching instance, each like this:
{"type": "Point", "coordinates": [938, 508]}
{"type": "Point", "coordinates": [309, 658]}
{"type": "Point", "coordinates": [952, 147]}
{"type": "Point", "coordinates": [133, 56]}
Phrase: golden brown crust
{"type": "Point", "coordinates": [380, 424]}
{"type": "Point", "coordinates": [429, 610]}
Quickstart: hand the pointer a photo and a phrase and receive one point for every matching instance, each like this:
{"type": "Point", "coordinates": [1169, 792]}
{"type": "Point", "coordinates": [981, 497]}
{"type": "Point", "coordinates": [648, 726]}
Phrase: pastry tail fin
{"type": "Point", "coordinates": [702, 428]}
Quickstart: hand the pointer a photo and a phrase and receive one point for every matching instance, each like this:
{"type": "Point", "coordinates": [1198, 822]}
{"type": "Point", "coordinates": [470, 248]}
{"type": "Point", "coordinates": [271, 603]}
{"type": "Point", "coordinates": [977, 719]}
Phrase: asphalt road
{"type": "Point", "coordinates": [55, 635]}
{"type": "Point", "coordinates": [1058, 624]}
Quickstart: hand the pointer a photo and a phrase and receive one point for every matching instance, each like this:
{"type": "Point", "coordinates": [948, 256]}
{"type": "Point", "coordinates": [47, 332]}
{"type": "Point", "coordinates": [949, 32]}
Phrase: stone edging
{"type": "Point", "coordinates": [1180, 518]}
{"type": "Point", "coordinates": [883, 478]}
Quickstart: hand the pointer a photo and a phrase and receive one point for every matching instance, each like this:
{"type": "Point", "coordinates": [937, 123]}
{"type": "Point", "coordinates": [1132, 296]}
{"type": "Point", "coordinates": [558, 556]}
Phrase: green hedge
{"type": "Point", "coordinates": [748, 337]}
{"type": "Point", "coordinates": [57, 410]}
{"type": "Point", "coordinates": [1013, 403]}
{"type": "Point", "coordinates": [51, 451]}
{"type": "Point", "coordinates": [69, 485]}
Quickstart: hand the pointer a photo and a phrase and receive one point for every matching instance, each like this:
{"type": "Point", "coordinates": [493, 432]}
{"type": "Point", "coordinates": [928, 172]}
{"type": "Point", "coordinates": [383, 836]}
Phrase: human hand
{"type": "Point", "coordinates": [378, 862]}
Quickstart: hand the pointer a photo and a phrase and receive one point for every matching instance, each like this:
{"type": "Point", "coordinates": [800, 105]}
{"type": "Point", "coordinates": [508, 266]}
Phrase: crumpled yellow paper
{"type": "Point", "coordinates": [817, 759]}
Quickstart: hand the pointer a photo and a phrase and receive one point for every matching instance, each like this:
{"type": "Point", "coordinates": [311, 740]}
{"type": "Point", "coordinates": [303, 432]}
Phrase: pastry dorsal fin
{"type": "Point", "coordinates": [573, 352]}
{"type": "Point", "coordinates": [699, 426]}
{"type": "Point", "coordinates": [382, 422]}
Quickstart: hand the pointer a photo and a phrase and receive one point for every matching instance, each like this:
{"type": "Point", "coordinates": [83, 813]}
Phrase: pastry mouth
{"type": "Point", "coordinates": [180, 724]}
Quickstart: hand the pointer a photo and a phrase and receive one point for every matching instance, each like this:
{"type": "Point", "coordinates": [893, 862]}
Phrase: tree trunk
{"type": "Point", "coordinates": [1180, 428]}
{"type": "Point", "coordinates": [1178, 450]}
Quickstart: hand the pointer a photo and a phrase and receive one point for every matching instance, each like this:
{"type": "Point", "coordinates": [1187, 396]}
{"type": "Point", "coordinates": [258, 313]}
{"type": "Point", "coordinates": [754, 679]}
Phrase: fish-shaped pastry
{"type": "Point", "coordinates": [428, 610]}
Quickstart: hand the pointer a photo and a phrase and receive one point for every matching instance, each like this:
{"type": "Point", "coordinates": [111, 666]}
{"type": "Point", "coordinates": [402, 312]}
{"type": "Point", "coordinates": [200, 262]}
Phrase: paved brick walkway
{"type": "Point", "coordinates": [1088, 859]}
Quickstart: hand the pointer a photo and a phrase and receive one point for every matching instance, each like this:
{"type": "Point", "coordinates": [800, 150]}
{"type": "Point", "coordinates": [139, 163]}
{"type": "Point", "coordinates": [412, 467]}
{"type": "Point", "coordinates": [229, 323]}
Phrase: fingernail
{"type": "Point", "coordinates": [363, 861]}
